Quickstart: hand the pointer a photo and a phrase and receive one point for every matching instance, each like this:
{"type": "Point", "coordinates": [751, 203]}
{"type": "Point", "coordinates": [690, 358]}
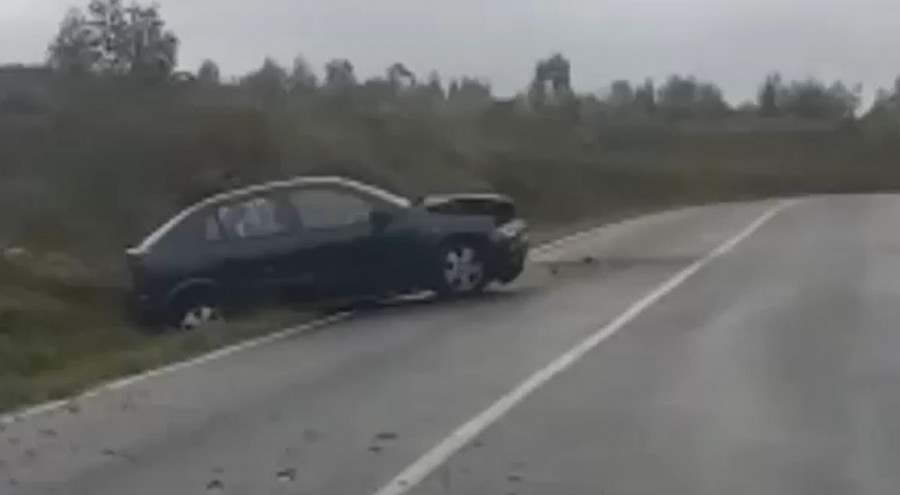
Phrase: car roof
{"type": "Point", "coordinates": [250, 191]}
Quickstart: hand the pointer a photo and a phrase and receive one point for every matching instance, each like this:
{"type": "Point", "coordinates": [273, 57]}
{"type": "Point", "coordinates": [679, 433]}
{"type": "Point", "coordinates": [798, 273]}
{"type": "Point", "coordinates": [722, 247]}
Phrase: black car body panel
{"type": "Point", "coordinates": [315, 237]}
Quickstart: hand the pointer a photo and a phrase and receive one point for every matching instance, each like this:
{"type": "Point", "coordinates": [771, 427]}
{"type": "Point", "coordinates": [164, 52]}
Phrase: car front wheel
{"type": "Point", "coordinates": [462, 269]}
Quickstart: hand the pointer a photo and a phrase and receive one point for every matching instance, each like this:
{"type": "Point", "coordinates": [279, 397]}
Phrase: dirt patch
{"type": "Point", "coordinates": [599, 266]}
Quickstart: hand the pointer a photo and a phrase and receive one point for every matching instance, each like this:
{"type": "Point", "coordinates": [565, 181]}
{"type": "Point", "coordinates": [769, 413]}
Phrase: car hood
{"type": "Point", "coordinates": [500, 207]}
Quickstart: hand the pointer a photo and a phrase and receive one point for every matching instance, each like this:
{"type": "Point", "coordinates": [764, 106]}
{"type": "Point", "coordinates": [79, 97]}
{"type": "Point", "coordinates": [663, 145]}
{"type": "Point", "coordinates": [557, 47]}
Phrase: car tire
{"type": "Point", "coordinates": [461, 269]}
{"type": "Point", "coordinates": [193, 311]}
{"type": "Point", "coordinates": [511, 275]}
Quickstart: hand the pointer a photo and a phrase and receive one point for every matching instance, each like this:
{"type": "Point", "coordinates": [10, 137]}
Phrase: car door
{"type": "Point", "coordinates": [342, 244]}
{"type": "Point", "coordinates": [259, 253]}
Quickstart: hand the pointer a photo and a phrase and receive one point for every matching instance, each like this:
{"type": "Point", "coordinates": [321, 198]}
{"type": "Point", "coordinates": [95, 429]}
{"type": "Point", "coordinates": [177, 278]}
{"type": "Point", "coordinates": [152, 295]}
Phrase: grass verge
{"type": "Point", "coordinates": [58, 340]}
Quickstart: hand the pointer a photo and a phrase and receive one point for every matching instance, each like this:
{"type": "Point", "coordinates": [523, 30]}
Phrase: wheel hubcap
{"type": "Point", "coordinates": [199, 316]}
{"type": "Point", "coordinates": [462, 269]}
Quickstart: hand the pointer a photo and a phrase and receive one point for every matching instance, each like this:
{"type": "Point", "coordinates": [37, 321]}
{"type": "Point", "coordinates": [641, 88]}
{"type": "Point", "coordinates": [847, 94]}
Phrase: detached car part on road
{"type": "Point", "coordinates": [321, 237]}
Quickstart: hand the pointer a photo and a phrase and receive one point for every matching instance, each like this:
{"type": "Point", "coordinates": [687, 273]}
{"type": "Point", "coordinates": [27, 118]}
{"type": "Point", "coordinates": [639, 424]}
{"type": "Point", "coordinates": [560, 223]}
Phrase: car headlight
{"type": "Point", "coordinates": [511, 229]}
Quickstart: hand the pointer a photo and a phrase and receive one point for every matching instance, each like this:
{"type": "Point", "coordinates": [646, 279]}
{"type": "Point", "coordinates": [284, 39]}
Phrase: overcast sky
{"type": "Point", "coordinates": [732, 42]}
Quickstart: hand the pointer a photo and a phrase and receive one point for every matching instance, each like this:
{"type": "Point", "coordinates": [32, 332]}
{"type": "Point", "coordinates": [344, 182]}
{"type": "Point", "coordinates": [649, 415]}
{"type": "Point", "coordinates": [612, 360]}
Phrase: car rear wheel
{"type": "Point", "coordinates": [462, 269]}
{"type": "Point", "coordinates": [199, 316]}
{"type": "Point", "coordinates": [192, 312]}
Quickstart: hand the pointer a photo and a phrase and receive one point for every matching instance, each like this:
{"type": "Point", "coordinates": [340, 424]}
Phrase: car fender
{"type": "Point", "coordinates": [186, 286]}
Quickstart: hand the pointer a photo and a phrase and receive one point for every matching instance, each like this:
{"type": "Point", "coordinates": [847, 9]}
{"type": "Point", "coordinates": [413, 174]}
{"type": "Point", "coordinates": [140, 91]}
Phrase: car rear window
{"type": "Point", "coordinates": [192, 231]}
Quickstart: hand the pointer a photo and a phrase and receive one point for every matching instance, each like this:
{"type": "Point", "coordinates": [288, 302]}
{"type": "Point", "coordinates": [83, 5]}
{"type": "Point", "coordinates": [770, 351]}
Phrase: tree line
{"type": "Point", "coordinates": [115, 114]}
{"type": "Point", "coordinates": [131, 41]}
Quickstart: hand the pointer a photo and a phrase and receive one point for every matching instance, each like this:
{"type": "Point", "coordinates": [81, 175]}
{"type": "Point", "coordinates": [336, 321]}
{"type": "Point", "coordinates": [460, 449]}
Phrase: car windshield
{"type": "Point", "coordinates": [412, 247]}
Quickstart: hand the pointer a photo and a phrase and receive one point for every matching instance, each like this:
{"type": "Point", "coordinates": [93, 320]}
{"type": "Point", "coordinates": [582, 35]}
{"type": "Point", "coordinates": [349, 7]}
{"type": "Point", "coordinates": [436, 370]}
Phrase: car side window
{"type": "Point", "coordinates": [193, 231]}
{"type": "Point", "coordinates": [257, 217]}
{"type": "Point", "coordinates": [329, 209]}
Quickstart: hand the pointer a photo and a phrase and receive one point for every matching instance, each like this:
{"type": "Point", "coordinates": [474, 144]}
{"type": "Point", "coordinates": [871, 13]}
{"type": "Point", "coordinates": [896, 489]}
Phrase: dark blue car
{"type": "Point", "coordinates": [321, 237]}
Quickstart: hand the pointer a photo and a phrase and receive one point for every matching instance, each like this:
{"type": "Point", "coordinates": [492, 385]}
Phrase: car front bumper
{"type": "Point", "coordinates": [510, 255]}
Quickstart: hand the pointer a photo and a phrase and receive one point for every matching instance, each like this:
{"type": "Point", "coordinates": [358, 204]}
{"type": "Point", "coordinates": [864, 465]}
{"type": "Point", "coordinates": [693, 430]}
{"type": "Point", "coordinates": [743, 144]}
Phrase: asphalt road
{"type": "Point", "coordinates": [734, 350]}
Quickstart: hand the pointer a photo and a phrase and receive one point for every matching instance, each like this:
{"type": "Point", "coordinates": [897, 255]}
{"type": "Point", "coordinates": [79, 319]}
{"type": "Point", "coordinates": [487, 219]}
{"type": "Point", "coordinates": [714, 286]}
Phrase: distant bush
{"type": "Point", "coordinates": [21, 102]}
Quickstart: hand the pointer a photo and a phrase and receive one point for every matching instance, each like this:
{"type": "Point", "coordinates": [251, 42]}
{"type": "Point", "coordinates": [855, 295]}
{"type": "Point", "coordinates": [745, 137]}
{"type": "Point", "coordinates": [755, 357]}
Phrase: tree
{"type": "Point", "coordinates": [112, 39]}
{"type": "Point", "coordinates": [302, 78]}
{"type": "Point", "coordinates": [645, 98]}
{"type": "Point", "coordinates": [434, 88]}
{"type": "Point", "coordinates": [269, 81]}
{"type": "Point", "coordinates": [620, 102]}
{"type": "Point", "coordinates": [621, 95]}
{"type": "Point", "coordinates": [400, 77]}
{"type": "Point", "coordinates": [768, 96]}
{"type": "Point", "coordinates": [558, 71]}
{"type": "Point", "coordinates": [469, 93]}
{"type": "Point", "coordinates": [684, 97]}
{"type": "Point", "coordinates": [209, 74]}
{"type": "Point", "coordinates": [73, 50]}
{"type": "Point", "coordinates": [453, 89]}
{"type": "Point", "coordinates": [339, 74]}
{"type": "Point", "coordinates": [709, 102]}
{"type": "Point", "coordinates": [885, 109]}
{"type": "Point", "coordinates": [887, 100]}
{"type": "Point", "coordinates": [473, 89]}
{"type": "Point", "coordinates": [845, 100]}
{"type": "Point", "coordinates": [883, 99]}
{"type": "Point", "coordinates": [623, 101]}
{"type": "Point", "coordinates": [812, 99]}
{"type": "Point", "coordinates": [537, 92]}
{"type": "Point", "coordinates": [555, 74]}
{"type": "Point", "coordinates": [676, 96]}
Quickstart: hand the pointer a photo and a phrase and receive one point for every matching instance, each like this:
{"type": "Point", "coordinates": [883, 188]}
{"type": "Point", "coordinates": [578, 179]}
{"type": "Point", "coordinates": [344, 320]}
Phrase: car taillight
{"type": "Point", "coordinates": [135, 262]}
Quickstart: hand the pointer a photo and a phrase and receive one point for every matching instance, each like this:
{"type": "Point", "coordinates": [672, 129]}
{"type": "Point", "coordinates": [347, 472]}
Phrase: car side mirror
{"type": "Point", "coordinates": [380, 219]}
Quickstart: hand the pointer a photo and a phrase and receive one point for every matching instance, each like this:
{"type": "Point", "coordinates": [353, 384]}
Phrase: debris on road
{"type": "Point", "coordinates": [286, 475]}
{"type": "Point", "coordinates": [386, 436]}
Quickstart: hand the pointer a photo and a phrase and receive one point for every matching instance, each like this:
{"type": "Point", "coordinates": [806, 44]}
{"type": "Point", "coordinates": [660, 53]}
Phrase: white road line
{"type": "Point", "coordinates": [416, 472]}
{"type": "Point", "coordinates": [205, 358]}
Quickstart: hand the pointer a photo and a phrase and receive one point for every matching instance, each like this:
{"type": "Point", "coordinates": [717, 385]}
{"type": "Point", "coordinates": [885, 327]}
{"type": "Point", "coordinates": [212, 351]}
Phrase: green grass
{"type": "Point", "coordinates": [46, 366]}
{"type": "Point", "coordinates": [57, 340]}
